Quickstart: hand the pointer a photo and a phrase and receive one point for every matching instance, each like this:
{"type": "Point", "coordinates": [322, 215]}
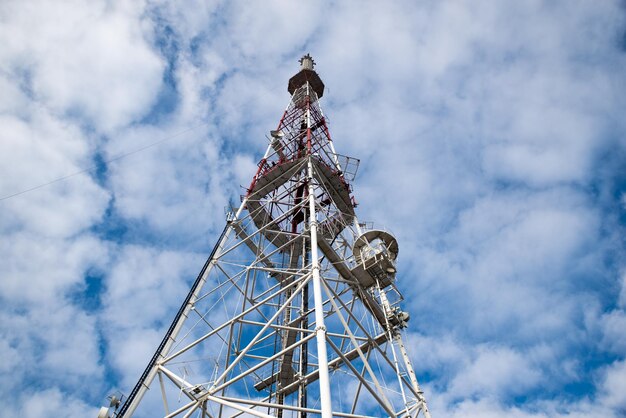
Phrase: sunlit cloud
{"type": "Point", "coordinates": [491, 141]}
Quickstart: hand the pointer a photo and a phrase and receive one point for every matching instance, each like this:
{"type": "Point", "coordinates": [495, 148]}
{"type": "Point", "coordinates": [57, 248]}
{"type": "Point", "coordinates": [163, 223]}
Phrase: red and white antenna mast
{"type": "Point", "coordinates": [296, 312]}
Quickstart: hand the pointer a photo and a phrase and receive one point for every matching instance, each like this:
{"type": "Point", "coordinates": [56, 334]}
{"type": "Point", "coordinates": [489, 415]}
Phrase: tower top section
{"type": "Point", "coordinates": [306, 75]}
{"type": "Point", "coordinates": [306, 62]}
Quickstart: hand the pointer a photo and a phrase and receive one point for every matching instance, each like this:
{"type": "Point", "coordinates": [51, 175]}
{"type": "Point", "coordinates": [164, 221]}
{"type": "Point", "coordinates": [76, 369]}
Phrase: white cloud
{"type": "Point", "coordinates": [139, 277]}
{"type": "Point", "coordinates": [495, 372]}
{"type": "Point", "coordinates": [441, 354]}
{"type": "Point", "coordinates": [70, 335]}
{"type": "Point", "coordinates": [145, 287]}
{"type": "Point", "coordinates": [49, 340]}
{"type": "Point", "coordinates": [243, 166]}
{"type": "Point", "coordinates": [614, 331]}
{"type": "Point", "coordinates": [286, 26]}
{"type": "Point", "coordinates": [487, 139]}
{"type": "Point", "coordinates": [177, 188]}
{"type": "Point", "coordinates": [614, 386]}
{"type": "Point", "coordinates": [42, 269]}
{"type": "Point", "coordinates": [622, 294]}
{"type": "Point", "coordinates": [92, 64]}
{"type": "Point", "coordinates": [51, 402]}
{"type": "Point", "coordinates": [90, 59]}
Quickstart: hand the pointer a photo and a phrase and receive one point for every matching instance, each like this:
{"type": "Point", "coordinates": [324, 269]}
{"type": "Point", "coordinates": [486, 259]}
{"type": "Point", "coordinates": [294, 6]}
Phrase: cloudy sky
{"type": "Point", "coordinates": [492, 141]}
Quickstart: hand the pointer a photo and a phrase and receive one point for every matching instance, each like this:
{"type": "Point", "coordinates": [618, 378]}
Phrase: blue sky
{"type": "Point", "coordinates": [492, 143]}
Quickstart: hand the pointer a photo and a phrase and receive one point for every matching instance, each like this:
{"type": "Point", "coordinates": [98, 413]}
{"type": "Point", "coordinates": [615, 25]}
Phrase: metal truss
{"type": "Point", "coordinates": [295, 312]}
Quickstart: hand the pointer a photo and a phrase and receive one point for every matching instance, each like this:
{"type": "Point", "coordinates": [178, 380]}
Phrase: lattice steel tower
{"type": "Point", "coordinates": [296, 312]}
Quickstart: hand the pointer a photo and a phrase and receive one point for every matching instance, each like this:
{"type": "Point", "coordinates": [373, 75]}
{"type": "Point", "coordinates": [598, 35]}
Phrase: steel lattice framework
{"type": "Point", "coordinates": [295, 312]}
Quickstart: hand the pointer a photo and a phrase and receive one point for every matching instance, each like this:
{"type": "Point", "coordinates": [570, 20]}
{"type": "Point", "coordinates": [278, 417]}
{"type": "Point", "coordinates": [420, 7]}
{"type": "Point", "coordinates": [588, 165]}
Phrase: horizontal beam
{"type": "Point", "coordinates": [333, 364]}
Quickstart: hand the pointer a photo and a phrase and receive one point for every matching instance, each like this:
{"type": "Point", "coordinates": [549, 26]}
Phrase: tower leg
{"type": "Point", "coordinates": [320, 328]}
{"type": "Point", "coordinates": [412, 377]}
{"type": "Point", "coordinates": [304, 349]}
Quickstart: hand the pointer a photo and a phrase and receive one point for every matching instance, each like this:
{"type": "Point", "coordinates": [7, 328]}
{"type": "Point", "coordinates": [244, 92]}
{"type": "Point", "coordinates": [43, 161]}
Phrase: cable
{"type": "Point", "coordinates": [94, 167]}
{"type": "Point", "coordinates": [118, 157]}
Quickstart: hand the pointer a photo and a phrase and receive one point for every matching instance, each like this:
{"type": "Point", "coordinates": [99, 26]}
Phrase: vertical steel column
{"type": "Point", "coordinates": [304, 348]}
{"type": "Point", "coordinates": [411, 372]}
{"type": "Point", "coordinates": [320, 328]}
{"type": "Point", "coordinates": [390, 337]}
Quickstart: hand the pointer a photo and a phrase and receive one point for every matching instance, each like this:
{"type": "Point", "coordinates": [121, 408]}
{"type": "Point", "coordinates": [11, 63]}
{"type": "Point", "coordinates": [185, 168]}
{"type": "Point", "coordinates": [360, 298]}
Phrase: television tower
{"type": "Point", "coordinates": [296, 312]}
